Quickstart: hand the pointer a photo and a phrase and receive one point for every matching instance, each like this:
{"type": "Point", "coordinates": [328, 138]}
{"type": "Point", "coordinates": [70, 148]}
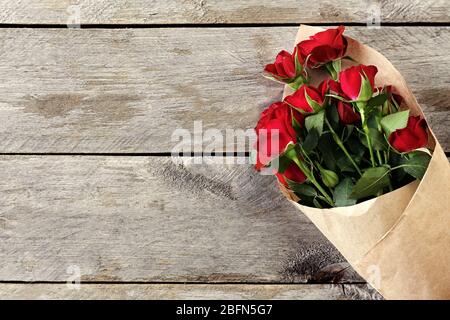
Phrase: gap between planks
{"type": "Point", "coordinates": [153, 220]}
{"type": "Point", "coordinates": [65, 99]}
{"type": "Point", "coordinates": [162, 154]}
{"type": "Point", "coordinates": [160, 12]}
{"type": "Point", "coordinates": [135, 219]}
{"type": "Point", "coordinates": [215, 25]}
{"type": "Point", "coordinates": [186, 291]}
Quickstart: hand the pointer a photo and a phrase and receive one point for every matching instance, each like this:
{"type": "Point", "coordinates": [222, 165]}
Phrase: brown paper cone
{"type": "Point", "coordinates": [399, 242]}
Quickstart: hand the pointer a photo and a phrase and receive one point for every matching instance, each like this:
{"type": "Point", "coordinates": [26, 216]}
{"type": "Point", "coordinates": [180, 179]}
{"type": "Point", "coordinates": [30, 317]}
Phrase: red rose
{"type": "Point", "coordinates": [308, 99]}
{"type": "Point", "coordinates": [414, 136]}
{"type": "Point", "coordinates": [274, 132]}
{"type": "Point", "coordinates": [285, 68]}
{"type": "Point", "coordinates": [358, 83]}
{"type": "Point", "coordinates": [346, 113]}
{"type": "Point", "coordinates": [323, 47]}
{"type": "Point", "coordinates": [335, 88]}
{"type": "Point", "coordinates": [292, 173]}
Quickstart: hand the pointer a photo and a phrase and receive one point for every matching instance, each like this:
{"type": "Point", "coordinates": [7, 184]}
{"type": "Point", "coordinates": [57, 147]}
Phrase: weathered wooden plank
{"type": "Point", "coordinates": [154, 219]}
{"type": "Point", "coordinates": [151, 219]}
{"type": "Point", "coordinates": [101, 90]}
{"type": "Point", "coordinates": [182, 291]}
{"type": "Point", "coordinates": [217, 11]}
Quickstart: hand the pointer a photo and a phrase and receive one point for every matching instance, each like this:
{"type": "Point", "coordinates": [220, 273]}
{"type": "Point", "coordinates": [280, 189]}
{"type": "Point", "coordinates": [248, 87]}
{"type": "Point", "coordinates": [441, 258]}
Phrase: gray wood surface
{"type": "Point", "coordinates": [126, 90]}
{"type": "Point", "coordinates": [185, 291]}
{"type": "Point", "coordinates": [218, 11]}
{"type": "Point", "coordinates": [154, 219]}
{"type": "Point", "coordinates": [151, 219]}
{"type": "Point", "coordinates": [215, 224]}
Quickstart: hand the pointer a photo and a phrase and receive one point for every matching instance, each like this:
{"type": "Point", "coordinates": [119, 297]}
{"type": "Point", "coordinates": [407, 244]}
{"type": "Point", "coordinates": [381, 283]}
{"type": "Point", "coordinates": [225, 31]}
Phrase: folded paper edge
{"type": "Point", "coordinates": [437, 156]}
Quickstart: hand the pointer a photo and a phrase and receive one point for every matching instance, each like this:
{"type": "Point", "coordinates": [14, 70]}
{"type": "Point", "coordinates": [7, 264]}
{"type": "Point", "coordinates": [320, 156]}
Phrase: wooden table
{"type": "Point", "coordinates": [88, 189]}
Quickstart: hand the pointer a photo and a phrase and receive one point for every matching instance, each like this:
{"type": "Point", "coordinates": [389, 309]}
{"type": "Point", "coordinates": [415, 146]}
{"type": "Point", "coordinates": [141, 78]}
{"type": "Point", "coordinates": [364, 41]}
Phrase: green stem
{"type": "Point", "coordinates": [369, 141]}
{"type": "Point", "coordinates": [329, 68]}
{"type": "Point", "coordinates": [386, 161]}
{"type": "Point", "coordinates": [297, 83]}
{"type": "Point", "coordinates": [341, 145]}
{"type": "Point", "coordinates": [313, 180]}
{"type": "Point", "coordinates": [361, 105]}
{"type": "Point", "coordinates": [369, 144]}
{"type": "Point", "coordinates": [333, 68]}
{"type": "Point", "coordinates": [403, 166]}
{"type": "Point", "coordinates": [380, 161]}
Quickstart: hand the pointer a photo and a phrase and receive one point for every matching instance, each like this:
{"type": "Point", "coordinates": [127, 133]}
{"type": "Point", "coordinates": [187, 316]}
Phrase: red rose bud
{"type": "Point", "coordinates": [358, 82]}
{"type": "Point", "coordinates": [274, 132]}
{"type": "Point", "coordinates": [292, 173]}
{"type": "Point", "coordinates": [329, 178]}
{"type": "Point", "coordinates": [323, 47]}
{"type": "Point", "coordinates": [346, 113]}
{"type": "Point", "coordinates": [413, 136]}
{"type": "Point", "coordinates": [287, 68]}
{"type": "Point", "coordinates": [308, 99]}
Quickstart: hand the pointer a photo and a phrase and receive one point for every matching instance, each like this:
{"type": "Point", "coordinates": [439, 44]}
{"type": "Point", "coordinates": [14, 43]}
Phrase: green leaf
{"type": "Point", "coordinates": [377, 100]}
{"type": "Point", "coordinates": [311, 140]}
{"type": "Point", "coordinates": [283, 163]}
{"type": "Point", "coordinates": [396, 159]}
{"type": "Point", "coordinates": [356, 147]}
{"type": "Point", "coordinates": [297, 83]}
{"type": "Point", "coordinates": [327, 148]}
{"type": "Point", "coordinates": [333, 116]}
{"type": "Point", "coordinates": [330, 69]}
{"type": "Point", "coordinates": [371, 182]}
{"type": "Point", "coordinates": [417, 164]}
{"type": "Point", "coordinates": [377, 139]}
{"type": "Point", "coordinates": [313, 104]}
{"type": "Point", "coordinates": [347, 132]}
{"type": "Point", "coordinates": [395, 121]}
{"type": "Point", "coordinates": [302, 189]}
{"type": "Point", "coordinates": [289, 154]}
{"type": "Point", "coordinates": [317, 203]}
{"type": "Point", "coordinates": [315, 121]}
{"type": "Point", "coordinates": [344, 163]}
{"type": "Point", "coordinates": [337, 65]}
{"type": "Point", "coordinates": [373, 121]}
{"type": "Point", "coordinates": [295, 124]}
{"type": "Point", "coordinates": [342, 192]}
{"type": "Point", "coordinates": [366, 90]}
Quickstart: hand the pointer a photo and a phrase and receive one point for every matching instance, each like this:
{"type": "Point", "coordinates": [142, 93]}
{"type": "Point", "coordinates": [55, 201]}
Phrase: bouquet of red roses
{"type": "Point", "coordinates": [349, 145]}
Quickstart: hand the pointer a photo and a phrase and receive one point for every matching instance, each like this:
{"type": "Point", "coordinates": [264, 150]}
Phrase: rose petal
{"type": "Point", "coordinates": [347, 114]}
{"type": "Point", "coordinates": [414, 136]}
{"type": "Point", "coordinates": [350, 80]}
{"type": "Point", "coordinates": [292, 173]}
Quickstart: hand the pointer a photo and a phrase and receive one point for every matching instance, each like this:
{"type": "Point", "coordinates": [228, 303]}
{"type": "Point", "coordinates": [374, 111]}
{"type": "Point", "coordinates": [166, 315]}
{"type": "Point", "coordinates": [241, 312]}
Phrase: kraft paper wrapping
{"type": "Point", "coordinates": [399, 242]}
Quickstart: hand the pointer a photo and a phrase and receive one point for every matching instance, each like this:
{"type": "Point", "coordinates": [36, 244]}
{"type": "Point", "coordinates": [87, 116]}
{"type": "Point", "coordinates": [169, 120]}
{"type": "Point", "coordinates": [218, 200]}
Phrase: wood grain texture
{"type": "Point", "coordinates": [151, 219]}
{"type": "Point", "coordinates": [217, 11]}
{"type": "Point", "coordinates": [101, 90]}
{"type": "Point", "coordinates": [184, 291]}
{"type": "Point", "coordinates": [155, 219]}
